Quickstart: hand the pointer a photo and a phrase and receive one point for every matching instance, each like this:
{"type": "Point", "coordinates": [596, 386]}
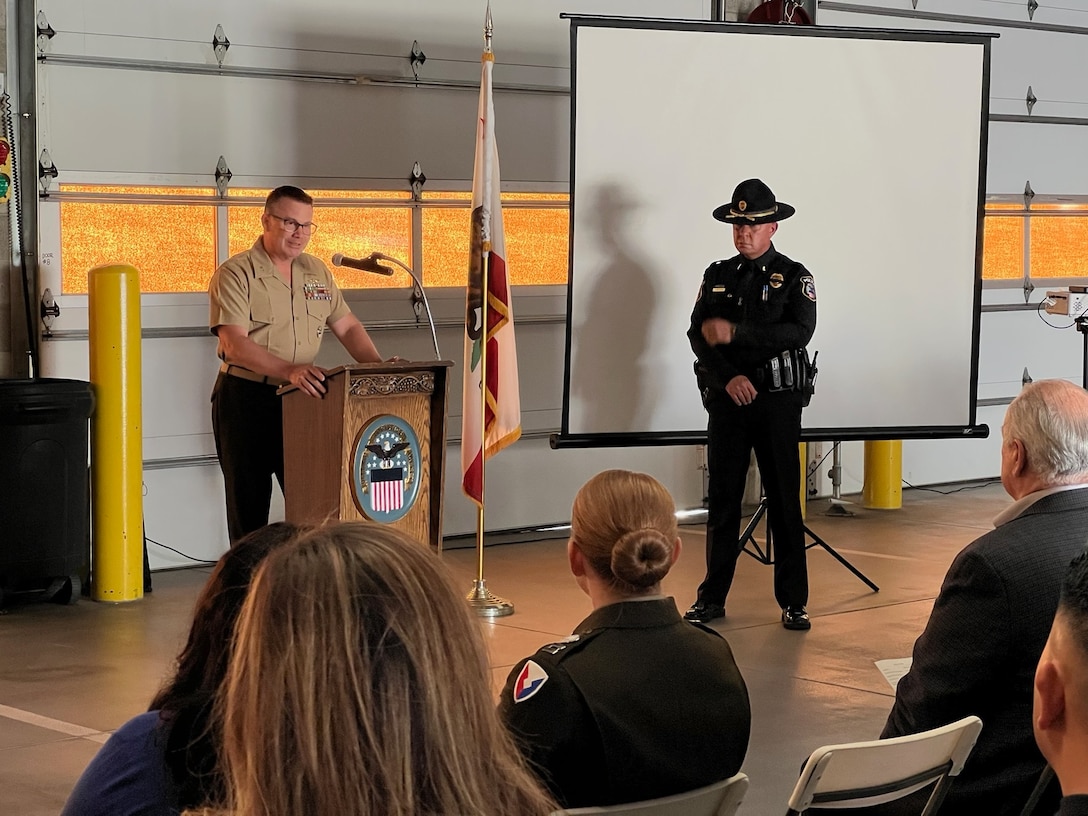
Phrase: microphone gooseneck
{"type": "Point", "coordinates": [370, 264]}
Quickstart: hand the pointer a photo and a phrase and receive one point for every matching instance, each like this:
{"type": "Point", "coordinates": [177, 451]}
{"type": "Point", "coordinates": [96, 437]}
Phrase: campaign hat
{"type": "Point", "coordinates": [753, 203]}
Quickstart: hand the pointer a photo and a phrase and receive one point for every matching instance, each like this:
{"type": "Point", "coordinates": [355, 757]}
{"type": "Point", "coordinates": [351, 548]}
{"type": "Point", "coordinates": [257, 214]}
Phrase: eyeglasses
{"type": "Point", "coordinates": [291, 225]}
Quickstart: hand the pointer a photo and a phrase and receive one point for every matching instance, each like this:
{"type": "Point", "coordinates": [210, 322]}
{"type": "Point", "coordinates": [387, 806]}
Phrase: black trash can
{"type": "Point", "coordinates": [44, 486]}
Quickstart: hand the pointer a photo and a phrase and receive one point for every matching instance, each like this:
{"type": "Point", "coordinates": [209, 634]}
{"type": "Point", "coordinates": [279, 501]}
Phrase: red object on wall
{"type": "Point", "coordinates": [780, 11]}
{"type": "Point", "coordinates": [5, 169]}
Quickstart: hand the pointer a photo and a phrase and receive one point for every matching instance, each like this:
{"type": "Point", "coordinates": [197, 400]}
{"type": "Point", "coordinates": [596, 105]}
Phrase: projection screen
{"type": "Point", "coordinates": [878, 138]}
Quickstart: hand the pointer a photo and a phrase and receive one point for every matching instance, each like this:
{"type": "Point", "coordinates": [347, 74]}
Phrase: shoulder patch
{"type": "Point", "coordinates": [531, 679]}
{"type": "Point", "coordinates": [808, 287]}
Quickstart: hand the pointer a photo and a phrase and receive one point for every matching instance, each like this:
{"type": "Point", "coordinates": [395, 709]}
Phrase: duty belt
{"type": "Point", "coordinates": [246, 374]}
{"type": "Point", "coordinates": [790, 371]}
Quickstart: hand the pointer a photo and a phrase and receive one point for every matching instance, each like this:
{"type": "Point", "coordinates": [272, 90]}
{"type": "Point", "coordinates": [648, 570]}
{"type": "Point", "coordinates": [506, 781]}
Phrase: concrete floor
{"type": "Point", "coordinates": [69, 675]}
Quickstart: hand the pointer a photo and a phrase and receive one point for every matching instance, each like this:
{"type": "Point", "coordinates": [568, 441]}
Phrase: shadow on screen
{"type": "Point", "coordinates": [613, 350]}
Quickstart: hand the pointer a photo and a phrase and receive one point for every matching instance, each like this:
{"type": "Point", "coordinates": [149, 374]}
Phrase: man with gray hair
{"type": "Point", "coordinates": [991, 619]}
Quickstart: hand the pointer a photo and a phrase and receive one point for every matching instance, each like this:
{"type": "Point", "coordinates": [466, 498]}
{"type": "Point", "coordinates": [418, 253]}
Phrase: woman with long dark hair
{"type": "Point", "coordinates": [167, 759]}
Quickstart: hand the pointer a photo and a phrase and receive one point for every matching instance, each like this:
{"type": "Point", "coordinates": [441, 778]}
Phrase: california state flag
{"type": "Point", "coordinates": [489, 326]}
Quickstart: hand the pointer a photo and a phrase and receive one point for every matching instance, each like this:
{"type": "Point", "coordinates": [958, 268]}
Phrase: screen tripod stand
{"type": "Point", "coordinates": [765, 554]}
{"type": "Point", "coordinates": [1082, 327]}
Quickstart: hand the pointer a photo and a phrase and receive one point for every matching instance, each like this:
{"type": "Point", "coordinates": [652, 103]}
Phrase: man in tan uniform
{"type": "Point", "coordinates": [270, 306]}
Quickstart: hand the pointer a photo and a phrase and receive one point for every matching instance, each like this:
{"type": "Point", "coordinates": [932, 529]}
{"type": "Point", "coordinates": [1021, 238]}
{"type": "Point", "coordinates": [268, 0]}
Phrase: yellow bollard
{"type": "Point", "coordinates": [117, 549]}
{"type": "Point", "coordinates": [883, 485]}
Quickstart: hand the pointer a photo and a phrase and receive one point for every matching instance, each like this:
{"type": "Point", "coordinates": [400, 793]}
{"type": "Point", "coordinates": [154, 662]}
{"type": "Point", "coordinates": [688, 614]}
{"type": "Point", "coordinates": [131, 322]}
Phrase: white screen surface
{"type": "Point", "coordinates": [877, 143]}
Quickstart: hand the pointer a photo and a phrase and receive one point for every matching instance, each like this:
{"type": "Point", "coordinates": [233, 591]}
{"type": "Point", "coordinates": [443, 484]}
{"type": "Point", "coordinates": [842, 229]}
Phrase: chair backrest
{"type": "Point", "coordinates": [861, 774]}
{"type": "Point", "coordinates": [720, 799]}
{"type": "Point", "coordinates": [1042, 785]}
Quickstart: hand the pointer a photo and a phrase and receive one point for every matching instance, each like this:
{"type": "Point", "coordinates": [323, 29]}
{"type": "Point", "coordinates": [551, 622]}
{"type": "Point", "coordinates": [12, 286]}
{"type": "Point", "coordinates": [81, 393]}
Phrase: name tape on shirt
{"type": "Point", "coordinates": [531, 679]}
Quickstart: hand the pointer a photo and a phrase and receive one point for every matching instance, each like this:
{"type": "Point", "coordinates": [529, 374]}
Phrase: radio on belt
{"type": "Point", "coordinates": [1072, 301]}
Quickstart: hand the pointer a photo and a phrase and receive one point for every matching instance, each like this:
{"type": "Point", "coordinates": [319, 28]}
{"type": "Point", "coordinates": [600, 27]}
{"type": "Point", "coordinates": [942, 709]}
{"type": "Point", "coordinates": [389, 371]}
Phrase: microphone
{"type": "Point", "coordinates": [368, 264]}
{"type": "Point", "coordinates": [419, 297]}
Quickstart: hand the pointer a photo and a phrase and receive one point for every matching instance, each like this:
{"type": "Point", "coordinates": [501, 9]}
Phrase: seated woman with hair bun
{"type": "Point", "coordinates": [637, 703]}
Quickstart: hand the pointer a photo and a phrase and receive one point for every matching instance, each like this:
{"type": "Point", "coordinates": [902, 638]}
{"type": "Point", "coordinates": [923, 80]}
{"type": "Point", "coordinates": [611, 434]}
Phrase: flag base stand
{"type": "Point", "coordinates": [487, 605]}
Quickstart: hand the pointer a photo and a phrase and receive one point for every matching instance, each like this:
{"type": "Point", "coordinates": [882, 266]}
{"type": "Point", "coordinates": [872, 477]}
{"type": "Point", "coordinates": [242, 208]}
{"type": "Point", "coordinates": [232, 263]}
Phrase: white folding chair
{"type": "Point", "coordinates": [720, 799]}
{"type": "Point", "coordinates": [862, 774]}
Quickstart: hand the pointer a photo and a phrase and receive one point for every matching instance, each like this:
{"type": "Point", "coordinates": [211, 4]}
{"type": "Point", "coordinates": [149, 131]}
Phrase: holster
{"type": "Point", "coordinates": [808, 375]}
{"type": "Point", "coordinates": [702, 380]}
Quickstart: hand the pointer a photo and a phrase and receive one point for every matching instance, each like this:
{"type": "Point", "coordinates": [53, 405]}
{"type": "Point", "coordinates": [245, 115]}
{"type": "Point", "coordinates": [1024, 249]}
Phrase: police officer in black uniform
{"type": "Point", "coordinates": [753, 318]}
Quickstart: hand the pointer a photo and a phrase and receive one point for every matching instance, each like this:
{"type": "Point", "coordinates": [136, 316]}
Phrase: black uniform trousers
{"type": "Point", "coordinates": [247, 420]}
{"type": "Point", "coordinates": [771, 425]}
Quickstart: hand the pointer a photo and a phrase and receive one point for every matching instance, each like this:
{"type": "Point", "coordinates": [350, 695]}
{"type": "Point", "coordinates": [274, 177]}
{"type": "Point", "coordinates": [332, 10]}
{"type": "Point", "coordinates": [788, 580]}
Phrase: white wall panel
{"type": "Point", "coordinates": [1048, 13]}
{"type": "Point", "coordinates": [1045, 155]}
{"type": "Point", "coordinates": [1013, 341]}
{"type": "Point", "coordinates": [1054, 64]}
{"type": "Point", "coordinates": [177, 382]}
{"type": "Point", "coordinates": [184, 509]}
{"type": "Point", "coordinates": [146, 124]}
{"type": "Point", "coordinates": [525, 32]}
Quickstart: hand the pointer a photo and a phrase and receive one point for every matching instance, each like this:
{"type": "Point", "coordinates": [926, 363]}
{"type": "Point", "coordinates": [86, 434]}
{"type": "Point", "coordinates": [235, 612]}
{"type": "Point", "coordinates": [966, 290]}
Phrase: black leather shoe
{"type": "Point", "coordinates": [795, 617]}
{"type": "Point", "coordinates": [704, 612]}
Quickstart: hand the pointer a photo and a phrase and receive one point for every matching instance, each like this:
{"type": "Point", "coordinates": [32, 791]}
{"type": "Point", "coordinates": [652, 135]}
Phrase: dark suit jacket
{"type": "Point", "coordinates": [637, 704]}
{"type": "Point", "coordinates": [1074, 806]}
{"type": "Point", "coordinates": [979, 649]}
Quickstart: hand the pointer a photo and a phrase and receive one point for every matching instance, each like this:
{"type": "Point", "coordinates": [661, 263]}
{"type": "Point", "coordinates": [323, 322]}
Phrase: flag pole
{"type": "Point", "coordinates": [480, 598]}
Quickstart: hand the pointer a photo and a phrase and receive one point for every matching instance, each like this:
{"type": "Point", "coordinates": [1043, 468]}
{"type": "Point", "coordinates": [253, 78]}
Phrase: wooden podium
{"type": "Point", "coordinates": [374, 447]}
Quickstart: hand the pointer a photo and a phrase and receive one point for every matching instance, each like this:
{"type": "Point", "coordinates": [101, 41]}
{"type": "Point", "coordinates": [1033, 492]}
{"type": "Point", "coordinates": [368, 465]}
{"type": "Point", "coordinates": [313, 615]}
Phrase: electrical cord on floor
{"type": "Point", "coordinates": [179, 552]}
{"type": "Point", "coordinates": [974, 486]}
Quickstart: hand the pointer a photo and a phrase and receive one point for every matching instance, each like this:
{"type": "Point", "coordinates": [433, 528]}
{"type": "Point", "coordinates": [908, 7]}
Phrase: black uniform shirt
{"type": "Point", "coordinates": [637, 704]}
{"type": "Point", "coordinates": [772, 301]}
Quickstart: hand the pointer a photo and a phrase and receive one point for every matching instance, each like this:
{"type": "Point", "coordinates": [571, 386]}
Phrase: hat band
{"type": "Point", "coordinates": [753, 215]}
